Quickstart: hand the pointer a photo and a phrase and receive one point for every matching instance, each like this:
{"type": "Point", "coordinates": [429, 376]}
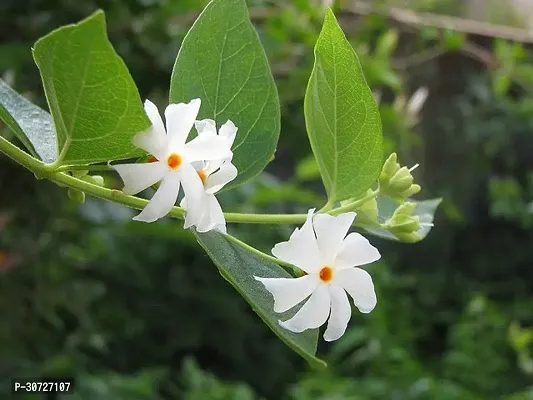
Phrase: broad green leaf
{"type": "Point", "coordinates": [342, 117]}
{"type": "Point", "coordinates": [425, 210]}
{"type": "Point", "coordinates": [238, 266]}
{"type": "Point", "coordinates": [94, 102]}
{"type": "Point", "coordinates": [221, 61]}
{"type": "Point", "coordinates": [31, 124]}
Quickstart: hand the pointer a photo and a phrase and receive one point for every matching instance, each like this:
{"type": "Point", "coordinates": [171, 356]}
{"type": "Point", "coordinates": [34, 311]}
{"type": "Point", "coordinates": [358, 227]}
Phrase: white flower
{"type": "Point", "coordinates": [215, 175]}
{"type": "Point", "coordinates": [173, 158]}
{"type": "Point", "coordinates": [417, 100]}
{"type": "Point", "coordinates": [329, 259]}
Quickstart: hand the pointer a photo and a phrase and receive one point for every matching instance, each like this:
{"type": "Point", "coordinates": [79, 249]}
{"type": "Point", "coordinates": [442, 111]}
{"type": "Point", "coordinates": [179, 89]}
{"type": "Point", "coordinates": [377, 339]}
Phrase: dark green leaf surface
{"type": "Point", "coordinates": [222, 62]}
{"type": "Point", "coordinates": [31, 124]}
{"type": "Point", "coordinates": [93, 100]}
{"type": "Point", "coordinates": [342, 117]}
{"type": "Point", "coordinates": [238, 266]}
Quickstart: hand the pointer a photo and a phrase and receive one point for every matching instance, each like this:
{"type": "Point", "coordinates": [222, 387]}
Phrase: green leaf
{"type": "Point", "coordinates": [93, 100]}
{"type": "Point", "coordinates": [222, 62]}
{"type": "Point", "coordinates": [425, 210]}
{"type": "Point", "coordinates": [342, 117]}
{"type": "Point", "coordinates": [32, 125]}
{"type": "Point", "coordinates": [238, 266]}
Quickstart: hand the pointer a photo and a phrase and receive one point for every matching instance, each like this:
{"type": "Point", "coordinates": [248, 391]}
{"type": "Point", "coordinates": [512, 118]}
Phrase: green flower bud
{"type": "Point", "coordinates": [403, 224]}
{"type": "Point", "coordinates": [396, 181]}
{"type": "Point", "coordinates": [414, 189]}
{"type": "Point", "coordinates": [401, 180]}
{"type": "Point", "coordinates": [76, 196]}
{"type": "Point", "coordinates": [367, 213]}
{"type": "Point", "coordinates": [98, 180]}
{"type": "Point", "coordinates": [94, 179]}
{"type": "Point", "coordinates": [389, 169]}
{"type": "Point", "coordinates": [412, 237]}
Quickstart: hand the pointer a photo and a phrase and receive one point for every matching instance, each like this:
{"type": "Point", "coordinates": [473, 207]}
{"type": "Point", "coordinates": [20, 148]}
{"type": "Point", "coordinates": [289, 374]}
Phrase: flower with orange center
{"type": "Point", "coordinates": [171, 162]}
{"type": "Point", "coordinates": [174, 161]}
{"type": "Point", "coordinates": [215, 174]}
{"type": "Point", "coordinates": [330, 259]}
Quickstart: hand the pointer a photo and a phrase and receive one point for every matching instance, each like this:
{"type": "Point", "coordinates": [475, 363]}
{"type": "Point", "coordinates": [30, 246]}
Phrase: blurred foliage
{"type": "Point", "coordinates": [137, 311]}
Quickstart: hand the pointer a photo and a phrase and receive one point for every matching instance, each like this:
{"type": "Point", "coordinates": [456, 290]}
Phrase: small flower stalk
{"type": "Point", "coordinates": [330, 259]}
{"type": "Point", "coordinates": [396, 181]}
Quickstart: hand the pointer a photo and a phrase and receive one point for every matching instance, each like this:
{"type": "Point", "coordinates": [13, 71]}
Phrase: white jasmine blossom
{"type": "Point", "coordinates": [215, 175]}
{"type": "Point", "coordinates": [417, 100]}
{"type": "Point", "coordinates": [330, 260]}
{"type": "Point", "coordinates": [173, 160]}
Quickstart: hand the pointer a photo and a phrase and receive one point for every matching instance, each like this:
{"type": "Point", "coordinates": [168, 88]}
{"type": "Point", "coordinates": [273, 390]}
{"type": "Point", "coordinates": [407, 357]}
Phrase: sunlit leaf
{"type": "Point", "coordinates": [342, 117]}
{"type": "Point", "coordinates": [223, 62]}
{"type": "Point", "coordinates": [94, 102]}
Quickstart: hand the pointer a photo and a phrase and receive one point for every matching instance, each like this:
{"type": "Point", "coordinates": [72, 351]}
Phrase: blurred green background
{"type": "Point", "coordinates": [138, 311]}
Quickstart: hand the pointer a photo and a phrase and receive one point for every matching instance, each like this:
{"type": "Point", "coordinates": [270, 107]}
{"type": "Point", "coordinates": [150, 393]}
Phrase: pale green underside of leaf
{"type": "Point", "coordinates": [32, 125]}
{"type": "Point", "coordinates": [342, 117]}
{"type": "Point", "coordinates": [94, 102]}
{"type": "Point", "coordinates": [425, 210]}
{"type": "Point", "coordinates": [222, 61]}
{"type": "Point", "coordinates": [238, 267]}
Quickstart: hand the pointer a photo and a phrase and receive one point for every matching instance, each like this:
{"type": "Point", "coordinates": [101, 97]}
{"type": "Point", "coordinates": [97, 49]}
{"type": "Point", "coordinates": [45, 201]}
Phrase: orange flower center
{"type": "Point", "coordinates": [174, 161]}
{"type": "Point", "coordinates": [202, 175]}
{"type": "Point", "coordinates": [326, 273]}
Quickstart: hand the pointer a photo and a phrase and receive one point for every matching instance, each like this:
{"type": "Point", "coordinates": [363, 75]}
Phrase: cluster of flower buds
{"type": "Point", "coordinates": [78, 196]}
{"type": "Point", "coordinates": [403, 224]}
{"type": "Point", "coordinates": [396, 181]}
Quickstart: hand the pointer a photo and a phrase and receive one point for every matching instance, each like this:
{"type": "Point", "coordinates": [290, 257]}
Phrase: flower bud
{"type": "Point", "coordinates": [76, 196]}
{"type": "Point", "coordinates": [403, 224]}
{"type": "Point", "coordinates": [401, 180]}
{"type": "Point", "coordinates": [396, 181]}
{"type": "Point", "coordinates": [94, 179]}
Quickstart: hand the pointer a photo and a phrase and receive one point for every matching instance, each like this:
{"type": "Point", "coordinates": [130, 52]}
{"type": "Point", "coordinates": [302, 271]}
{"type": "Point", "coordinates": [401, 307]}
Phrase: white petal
{"type": "Point", "coordinates": [207, 147]}
{"type": "Point", "coordinates": [358, 284]}
{"type": "Point", "coordinates": [301, 249]}
{"type": "Point", "coordinates": [154, 140]}
{"type": "Point", "coordinates": [155, 118]}
{"type": "Point", "coordinates": [213, 215]}
{"type": "Point", "coordinates": [194, 193]}
{"type": "Point", "coordinates": [229, 131]}
{"type": "Point", "coordinates": [341, 311]}
{"type": "Point", "coordinates": [219, 179]}
{"type": "Point", "coordinates": [356, 250]}
{"type": "Point", "coordinates": [206, 126]}
{"type": "Point", "coordinates": [137, 177]}
{"type": "Point", "coordinates": [288, 292]}
{"type": "Point", "coordinates": [312, 314]}
{"type": "Point", "coordinates": [330, 232]}
{"type": "Point", "coordinates": [151, 142]}
{"type": "Point", "coordinates": [180, 119]}
{"type": "Point", "coordinates": [220, 228]}
{"type": "Point", "coordinates": [163, 200]}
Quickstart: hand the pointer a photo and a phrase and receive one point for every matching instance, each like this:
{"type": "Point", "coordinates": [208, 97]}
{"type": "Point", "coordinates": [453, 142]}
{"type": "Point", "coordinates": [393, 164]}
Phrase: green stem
{"type": "Point", "coordinates": [42, 170]}
{"type": "Point", "coordinates": [355, 204]}
{"type": "Point", "coordinates": [65, 168]}
{"type": "Point", "coordinates": [287, 266]}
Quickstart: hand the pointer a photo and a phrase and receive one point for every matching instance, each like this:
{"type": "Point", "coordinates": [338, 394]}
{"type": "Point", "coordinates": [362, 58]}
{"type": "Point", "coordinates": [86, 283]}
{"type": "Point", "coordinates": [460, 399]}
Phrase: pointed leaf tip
{"type": "Point", "coordinates": [341, 115]}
